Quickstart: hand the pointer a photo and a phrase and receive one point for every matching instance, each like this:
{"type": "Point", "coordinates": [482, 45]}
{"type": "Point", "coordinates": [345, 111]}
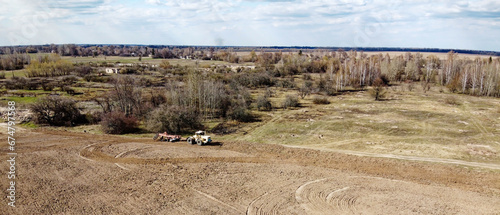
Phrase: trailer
{"type": "Point", "coordinates": [166, 137]}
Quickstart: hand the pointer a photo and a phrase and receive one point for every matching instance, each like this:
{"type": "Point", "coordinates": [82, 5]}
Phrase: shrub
{"type": "Point", "coordinates": [56, 111]}
{"type": "Point", "coordinates": [128, 70]}
{"type": "Point", "coordinates": [83, 71]}
{"type": "Point", "coordinates": [411, 86]}
{"type": "Point", "coordinates": [31, 84]}
{"type": "Point", "coordinates": [264, 103]}
{"type": "Point", "coordinates": [452, 100]}
{"type": "Point", "coordinates": [269, 93]}
{"type": "Point", "coordinates": [454, 85]}
{"type": "Point", "coordinates": [93, 118]}
{"type": "Point", "coordinates": [319, 100]}
{"type": "Point", "coordinates": [384, 79]}
{"type": "Point", "coordinates": [326, 86]}
{"type": "Point", "coordinates": [240, 113]}
{"type": "Point", "coordinates": [173, 119]}
{"type": "Point", "coordinates": [17, 83]}
{"type": "Point", "coordinates": [290, 101]}
{"type": "Point", "coordinates": [100, 79]}
{"type": "Point", "coordinates": [48, 86]}
{"type": "Point", "coordinates": [238, 110]}
{"type": "Point", "coordinates": [306, 89]}
{"type": "Point", "coordinates": [68, 90]}
{"type": "Point", "coordinates": [118, 123]}
{"type": "Point", "coordinates": [378, 91]}
{"type": "Point", "coordinates": [88, 78]}
{"type": "Point", "coordinates": [257, 79]}
{"type": "Point", "coordinates": [2, 75]}
{"type": "Point", "coordinates": [286, 83]}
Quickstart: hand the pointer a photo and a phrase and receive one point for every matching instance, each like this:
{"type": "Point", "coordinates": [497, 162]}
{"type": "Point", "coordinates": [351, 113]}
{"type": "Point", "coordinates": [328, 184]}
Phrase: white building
{"type": "Point", "coordinates": [112, 70]}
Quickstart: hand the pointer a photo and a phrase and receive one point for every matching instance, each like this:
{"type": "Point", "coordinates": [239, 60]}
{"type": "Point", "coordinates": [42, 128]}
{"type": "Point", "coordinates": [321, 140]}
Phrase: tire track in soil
{"type": "Point", "coordinates": [218, 201]}
{"type": "Point", "coordinates": [93, 153]}
{"type": "Point", "coordinates": [475, 121]}
{"type": "Point", "coordinates": [343, 201]}
{"type": "Point", "coordinates": [316, 197]}
{"type": "Point", "coordinates": [271, 202]}
{"type": "Point", "coordinates": [127, 152]}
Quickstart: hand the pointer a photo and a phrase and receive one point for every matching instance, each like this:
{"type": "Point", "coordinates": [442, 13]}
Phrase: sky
{"type": "Point", "coordinates": [445, 24]}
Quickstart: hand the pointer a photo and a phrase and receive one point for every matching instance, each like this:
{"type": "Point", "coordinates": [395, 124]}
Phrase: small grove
{"type": "Point", "coordinates": [178, 99]}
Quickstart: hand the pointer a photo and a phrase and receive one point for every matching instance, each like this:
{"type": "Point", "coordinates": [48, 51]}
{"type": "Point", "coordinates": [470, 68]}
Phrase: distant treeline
{"type": "Point", "coordinates": [171, 51]}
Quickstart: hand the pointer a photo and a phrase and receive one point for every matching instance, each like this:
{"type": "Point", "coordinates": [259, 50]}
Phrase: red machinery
{"type": "Point", "coordinates": [166, 137]}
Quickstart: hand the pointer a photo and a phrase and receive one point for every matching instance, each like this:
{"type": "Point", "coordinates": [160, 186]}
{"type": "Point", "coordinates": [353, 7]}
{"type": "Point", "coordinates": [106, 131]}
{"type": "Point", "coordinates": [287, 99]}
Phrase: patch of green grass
{"type": "Point", "coordinates": [16, 73]}
{"type": "Point", "coordinates": [21, 100]}
{"type": "Point", "coordinates": [29, 125]}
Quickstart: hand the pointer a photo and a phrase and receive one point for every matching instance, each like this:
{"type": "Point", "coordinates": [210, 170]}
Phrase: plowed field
{"type": "Point", "coordinates": [80, 173]}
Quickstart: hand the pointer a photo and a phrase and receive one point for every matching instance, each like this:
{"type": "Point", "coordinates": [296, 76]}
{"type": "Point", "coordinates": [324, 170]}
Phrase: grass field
{"type": "Point", "coordinates": [156, 61]}
{"type": "Point", "coordinates": [435, 124]}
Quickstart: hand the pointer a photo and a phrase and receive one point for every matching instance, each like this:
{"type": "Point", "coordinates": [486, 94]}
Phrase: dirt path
{"type": "Point", "coordinates": [76, 173]}
{"type": "Point", "coordinates": [404, 157]}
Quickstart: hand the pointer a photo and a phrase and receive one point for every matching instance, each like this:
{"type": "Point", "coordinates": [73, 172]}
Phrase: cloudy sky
{"type": "Point", "coordinates": [358, 23]}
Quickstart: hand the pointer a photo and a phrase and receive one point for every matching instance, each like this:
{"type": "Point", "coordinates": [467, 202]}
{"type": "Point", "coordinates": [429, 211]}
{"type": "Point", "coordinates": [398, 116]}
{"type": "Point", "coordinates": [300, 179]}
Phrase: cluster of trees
{"type": "Point", "coordinates": [49, 66]}
{"type": "Point", "coordinates": [14, 61]}
{"type": "Point", "coordinates": [475, 77]}
{"type": "Point", "coordinates": [114, 50]}
{"type": "Point", "coordinates": [177, 107]}
{"type": "Point", "coordinates": [356, 70]}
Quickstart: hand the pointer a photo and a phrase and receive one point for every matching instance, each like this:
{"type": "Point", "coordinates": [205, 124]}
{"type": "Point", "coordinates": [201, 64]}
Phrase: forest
{"type": "Point", "coordinates": [154, 92]}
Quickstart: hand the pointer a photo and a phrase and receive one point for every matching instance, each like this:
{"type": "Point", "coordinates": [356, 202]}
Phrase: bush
{"type": "Point", "coordinates": [93, 118]}
{"type": "Point", "coordinates": [18, 83]}
{"type": "Point", "coordinates": [264, 103]}
{"type": "Point", "coordinates": [321, 100]}
{"type": "Point", "coordinates": [384, 79]}
{"type": "Point", "coordinates": [269, 93]}
{"type": "Point", "coordinates": [88, 78]}
{"type": "Point", "coordinates": [56, 111]}
{"type": "Point", "coordinates": [306, 89]}
{"type": "Point", "coordinates": [31, 84]}
{"type": "Point", "coordinates": [286, 83]}
{"type": "Point", "coordinates": [173, 119]}
{"type": "Point", "coordinates": [240, 113]}
{"type": "Point", "coordinates": [290, 101]}
{"type": "Point", "coordinates": [238, 110]}
{"type": "Point", "coordinates": [378, 91]}
{"type": "Point", "coordinates": [83, 71]}
{"type": "Point", "coordinates": [48, 86]}
{"type": "Point", "coordinates": [326, 86]}
{"type": "Point", "coordinates": [68, 90]}
{"type": "Point", "coordinates": [257, 79]}
{"type": "Point", "coordinates": [452, 100]}
{"type": "Point", "coordinates": [118, 123]}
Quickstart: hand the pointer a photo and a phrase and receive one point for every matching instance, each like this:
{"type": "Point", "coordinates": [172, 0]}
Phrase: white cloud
{"type": "Point", "coordinates": [257, 22]}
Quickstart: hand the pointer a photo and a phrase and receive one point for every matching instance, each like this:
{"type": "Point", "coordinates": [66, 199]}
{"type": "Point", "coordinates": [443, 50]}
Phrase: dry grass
{"type": "Point", "coordinates": [407, 123]}
{"type": "Point", "coordinates": [452, 100]}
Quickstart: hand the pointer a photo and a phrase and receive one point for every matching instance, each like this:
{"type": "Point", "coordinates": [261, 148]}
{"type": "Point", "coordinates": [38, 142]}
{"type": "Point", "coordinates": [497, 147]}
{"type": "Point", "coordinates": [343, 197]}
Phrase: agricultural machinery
{"type": "Point", "coordinates": [166, 137]}
{"type": "Point", "coordinates": [199, 138]}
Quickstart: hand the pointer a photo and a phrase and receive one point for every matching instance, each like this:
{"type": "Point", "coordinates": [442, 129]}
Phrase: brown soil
{"type": "Point", "coordinates": [79, 173]}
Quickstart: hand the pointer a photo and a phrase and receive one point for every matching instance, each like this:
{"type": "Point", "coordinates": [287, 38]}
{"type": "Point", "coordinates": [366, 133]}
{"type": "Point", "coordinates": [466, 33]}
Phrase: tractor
{"type": "Point", "coordinates": [166, 137]}
{"type": "Point", "coordinates": [199, 138]}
